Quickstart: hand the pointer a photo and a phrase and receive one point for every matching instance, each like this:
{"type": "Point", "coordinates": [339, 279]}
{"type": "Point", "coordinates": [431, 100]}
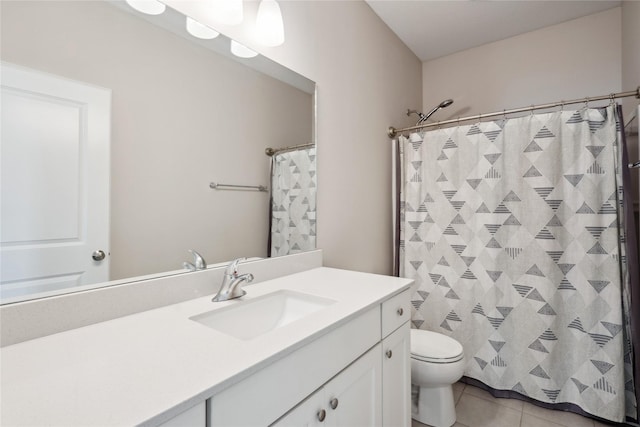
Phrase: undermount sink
{"type": "Point", "coordinates": [249, 319]}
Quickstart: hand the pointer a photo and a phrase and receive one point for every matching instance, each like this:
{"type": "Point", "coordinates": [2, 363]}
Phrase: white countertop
{"type": "Point", "coordinates": [150, 366]}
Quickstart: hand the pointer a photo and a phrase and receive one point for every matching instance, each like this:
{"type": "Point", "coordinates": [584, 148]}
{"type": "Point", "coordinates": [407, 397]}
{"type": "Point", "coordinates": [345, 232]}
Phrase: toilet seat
{"type": "Point", "coordinates": [432, 347]}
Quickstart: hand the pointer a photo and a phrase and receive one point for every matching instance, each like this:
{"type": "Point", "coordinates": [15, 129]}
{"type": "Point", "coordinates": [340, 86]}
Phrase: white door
{"type": "Point", "coordinates": [54, 198]}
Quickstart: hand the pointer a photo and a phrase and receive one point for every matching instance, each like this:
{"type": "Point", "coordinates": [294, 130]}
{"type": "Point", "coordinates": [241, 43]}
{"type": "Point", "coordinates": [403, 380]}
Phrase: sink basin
{"type": "Point", "coordinates": [246, 320]}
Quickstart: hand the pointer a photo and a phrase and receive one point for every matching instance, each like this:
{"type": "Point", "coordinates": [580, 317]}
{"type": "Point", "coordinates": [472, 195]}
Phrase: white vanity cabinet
{"type": "Point", "coordinates": [273, 390]}
{"type": "Point", "coordinates": [349, 358]}
{"type": "Point", "coordinates": [356, 375]}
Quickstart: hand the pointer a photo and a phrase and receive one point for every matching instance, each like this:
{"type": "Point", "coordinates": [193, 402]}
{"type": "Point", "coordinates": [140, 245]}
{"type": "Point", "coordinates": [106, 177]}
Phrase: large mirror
{"type": "Point", "coordinates": [176, 113]}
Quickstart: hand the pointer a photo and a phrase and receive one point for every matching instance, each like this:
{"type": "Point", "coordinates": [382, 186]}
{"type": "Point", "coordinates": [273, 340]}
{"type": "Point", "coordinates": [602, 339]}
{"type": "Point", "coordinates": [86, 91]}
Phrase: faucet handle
{"type": "Point", "coordinates": [198, 260]}
{"type": "Point", "coordinates": [232, 268]}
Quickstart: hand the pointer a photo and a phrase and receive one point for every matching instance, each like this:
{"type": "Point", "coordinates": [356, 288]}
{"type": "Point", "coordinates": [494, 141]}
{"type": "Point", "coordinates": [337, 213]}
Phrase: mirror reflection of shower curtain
{"type": "Point", "coordinates": [293, 202]}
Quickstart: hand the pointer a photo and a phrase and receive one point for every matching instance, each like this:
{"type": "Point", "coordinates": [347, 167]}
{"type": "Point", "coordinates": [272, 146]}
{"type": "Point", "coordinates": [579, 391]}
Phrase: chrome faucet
{"type": "Point", "coordinates": [231, 281]}
{"type": "Point", "coordinates": [198, 262]}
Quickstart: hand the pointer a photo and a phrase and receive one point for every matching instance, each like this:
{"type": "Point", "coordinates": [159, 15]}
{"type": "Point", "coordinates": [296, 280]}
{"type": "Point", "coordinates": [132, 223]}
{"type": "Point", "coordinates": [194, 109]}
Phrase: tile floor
{"type": "Point", "coordinates": [477, 408]}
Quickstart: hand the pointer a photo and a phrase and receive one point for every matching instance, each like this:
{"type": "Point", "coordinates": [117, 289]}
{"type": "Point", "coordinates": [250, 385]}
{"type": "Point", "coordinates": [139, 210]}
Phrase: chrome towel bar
{"type": "Point", "coordinates": [218, 186]}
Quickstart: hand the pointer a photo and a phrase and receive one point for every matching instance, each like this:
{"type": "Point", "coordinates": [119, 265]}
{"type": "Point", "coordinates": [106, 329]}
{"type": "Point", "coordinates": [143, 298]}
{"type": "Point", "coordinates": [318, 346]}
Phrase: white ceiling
{"type": "Point", "coordinates": [437, 28]}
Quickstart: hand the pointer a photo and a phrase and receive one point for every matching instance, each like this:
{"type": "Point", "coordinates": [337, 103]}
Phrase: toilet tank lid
{"type": "Point", "coordinates": [434, 345]}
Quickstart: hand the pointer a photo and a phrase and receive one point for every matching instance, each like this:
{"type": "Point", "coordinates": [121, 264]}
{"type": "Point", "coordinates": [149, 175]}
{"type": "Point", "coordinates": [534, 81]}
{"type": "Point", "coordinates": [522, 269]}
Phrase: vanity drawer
{"type": "Point", "coordinates": [395, 311]}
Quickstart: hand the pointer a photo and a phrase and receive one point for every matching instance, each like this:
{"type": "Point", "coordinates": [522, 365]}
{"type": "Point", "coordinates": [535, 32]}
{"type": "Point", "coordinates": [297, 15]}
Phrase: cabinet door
{"type": "Point", "coordinates": [306, 414]}
{"type": "Point", "coordinates": [396, 378]}
{"type": "Point", "coordinates": [351, 399]}
{"type": "Point", "coordinates": [354, 397]}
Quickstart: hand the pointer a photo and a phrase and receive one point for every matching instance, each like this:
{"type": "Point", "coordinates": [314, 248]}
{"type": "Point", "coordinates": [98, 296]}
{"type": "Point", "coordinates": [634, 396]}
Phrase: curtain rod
{"type": "Point", "coordinates": [393, 132]}
{"type": "Point", "coordinates": [273, 151]}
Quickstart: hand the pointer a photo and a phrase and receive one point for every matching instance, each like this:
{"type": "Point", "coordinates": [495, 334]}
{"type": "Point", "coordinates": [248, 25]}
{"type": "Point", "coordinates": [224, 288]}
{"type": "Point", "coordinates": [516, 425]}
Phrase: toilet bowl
{"type": "Point", "coordinates": [437, 361]}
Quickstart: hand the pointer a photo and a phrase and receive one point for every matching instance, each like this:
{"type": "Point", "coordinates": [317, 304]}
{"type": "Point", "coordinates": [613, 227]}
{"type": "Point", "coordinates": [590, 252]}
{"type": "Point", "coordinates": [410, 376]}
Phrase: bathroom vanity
{"type": "Point", "coordinates": [320, 347]}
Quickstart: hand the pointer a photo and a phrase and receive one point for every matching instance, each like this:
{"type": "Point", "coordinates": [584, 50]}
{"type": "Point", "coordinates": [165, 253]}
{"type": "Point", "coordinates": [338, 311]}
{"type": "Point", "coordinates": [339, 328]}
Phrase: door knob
{"type": "Point", "coordinates": [98, 255]}
{"type": "Point", "coordinates": [321, 415]}
{"type": "Point", "coordinates": [389, 353]}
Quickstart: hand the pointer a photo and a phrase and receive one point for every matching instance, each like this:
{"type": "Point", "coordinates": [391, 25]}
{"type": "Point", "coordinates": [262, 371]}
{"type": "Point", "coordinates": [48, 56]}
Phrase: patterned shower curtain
{"type": "Point", "coordinates": [513, 233]}
{"type": "Point", "coordinates": [293, 202]}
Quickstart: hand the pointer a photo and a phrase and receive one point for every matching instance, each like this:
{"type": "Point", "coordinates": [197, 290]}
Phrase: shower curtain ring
{"type": "Point", "coordinates": [532, 106]}
{"type": "Point", "coordinates": [504, 114]}
{"type": "Point", "coordinates": [586, 102]}
{"type": "Point", "coordinates": [612, 97]}
{"type": "Point", "coordinates": [562, 105]}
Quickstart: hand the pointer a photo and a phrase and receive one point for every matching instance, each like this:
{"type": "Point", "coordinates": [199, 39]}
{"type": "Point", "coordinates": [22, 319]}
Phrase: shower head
{"type": "Point", "coordinates": [443, 104]}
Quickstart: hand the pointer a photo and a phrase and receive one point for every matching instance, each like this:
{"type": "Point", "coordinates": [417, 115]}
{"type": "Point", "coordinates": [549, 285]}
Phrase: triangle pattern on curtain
{"type": "Point", "coordinates": [524, 233]}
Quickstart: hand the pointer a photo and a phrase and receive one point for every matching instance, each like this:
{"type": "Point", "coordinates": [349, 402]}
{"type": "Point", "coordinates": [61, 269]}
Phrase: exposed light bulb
{"type": "Point", "coordinates": [150, 7]}
{"type": "Point", "coordinates": [199, 30]}
{"type": "Point", "coordinates": [227, 12]}
{"type": "Point", "coordinates": [241, 50]}
{"type": "Point", "coordinates": [269, 26]}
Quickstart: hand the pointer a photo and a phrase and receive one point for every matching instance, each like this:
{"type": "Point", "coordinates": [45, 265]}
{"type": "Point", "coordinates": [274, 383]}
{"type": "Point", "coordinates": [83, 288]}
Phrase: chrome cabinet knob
{"type": "Point", "coordinates": [322, 414]}
{"type": "Point", "coordinates": [333, 403]}
{"type": "Point", "coordinates": [389, 353]}
{"type": "Point", "coordinates": [400, 311]}
{"type": "Point", "coordinates": [98, 255]}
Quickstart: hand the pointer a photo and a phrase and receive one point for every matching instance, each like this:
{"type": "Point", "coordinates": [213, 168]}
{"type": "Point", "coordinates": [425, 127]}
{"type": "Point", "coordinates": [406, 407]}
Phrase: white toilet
{"type": "Point", "coordinates": [437, 361]}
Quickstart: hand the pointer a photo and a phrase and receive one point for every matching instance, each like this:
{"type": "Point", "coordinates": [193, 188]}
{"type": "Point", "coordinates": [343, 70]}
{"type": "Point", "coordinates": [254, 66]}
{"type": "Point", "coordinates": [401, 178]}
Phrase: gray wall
{"type": "Point", "coordinates": [630, 51]}
{"type": "Point", "coordinates": [575, 59]}
{"type": "Point", "coordinates": [631, 80]}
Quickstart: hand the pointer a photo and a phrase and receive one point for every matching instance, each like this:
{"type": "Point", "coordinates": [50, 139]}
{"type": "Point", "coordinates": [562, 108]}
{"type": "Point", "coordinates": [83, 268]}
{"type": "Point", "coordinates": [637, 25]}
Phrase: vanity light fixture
{"type": "Point", "coordinates": [200, 31]}
{"type": "Point", "coordinates": [269, 26]}
{"type": "Point", "coordinates": [150, 7]}
{"type": "Point", "coordinates": [227, 12]}
{"type": "Point", "coordinates": [241, 50]}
